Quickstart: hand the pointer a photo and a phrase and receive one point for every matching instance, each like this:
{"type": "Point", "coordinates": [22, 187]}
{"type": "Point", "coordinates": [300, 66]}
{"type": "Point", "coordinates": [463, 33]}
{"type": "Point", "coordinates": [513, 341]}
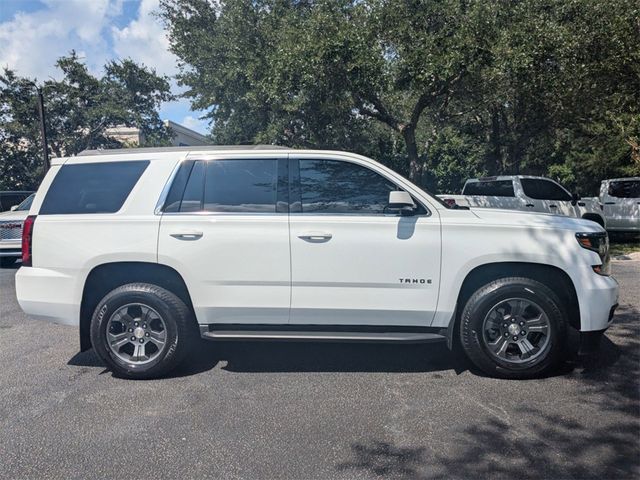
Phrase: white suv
{"type": "Point", "coordinates": [145, 250]}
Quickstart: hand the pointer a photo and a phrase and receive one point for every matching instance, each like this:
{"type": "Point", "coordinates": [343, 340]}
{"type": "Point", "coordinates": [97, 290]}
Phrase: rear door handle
{"type": "Point", "coordinates": [553, 206]}
{"type": "Point", "coordinates": [609, 203]}
{"type": "Point", "coordinates": [187, 235]}
{"type": "Point", "coordinates": [315, 236]}
{"type": "Point", "coordinates": [530, 205]}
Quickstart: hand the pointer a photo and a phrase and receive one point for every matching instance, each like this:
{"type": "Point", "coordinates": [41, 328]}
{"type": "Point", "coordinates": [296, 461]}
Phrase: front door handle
{"type": "Point", "coordinates": [529, 205]}
{"type": "Point", "coordinates": [316, 236]}
{"type": "Point", "coordinates": [609, 203]}
{"type": "Point", "coordinates": [187, 235]}
{"type": "Point", "coordinates": [553, 206]}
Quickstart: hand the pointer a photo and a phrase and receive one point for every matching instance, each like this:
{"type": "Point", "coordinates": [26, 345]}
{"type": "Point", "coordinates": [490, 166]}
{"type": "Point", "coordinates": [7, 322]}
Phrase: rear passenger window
{"type": "Point", "coordinates": [625, 189]}
{"type": "Point", "coordinates": [543, 190]}
{"type": "Point", "coordinates": [497, 188]}
{"type": "Point", "coordinates": [243, 185]}
{"type": "Point", "coordinates": [92, 187]}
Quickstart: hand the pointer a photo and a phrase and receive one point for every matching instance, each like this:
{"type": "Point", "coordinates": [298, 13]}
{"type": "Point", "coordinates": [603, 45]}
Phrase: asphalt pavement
{"type": "Point", "coordinates": [315, 411]}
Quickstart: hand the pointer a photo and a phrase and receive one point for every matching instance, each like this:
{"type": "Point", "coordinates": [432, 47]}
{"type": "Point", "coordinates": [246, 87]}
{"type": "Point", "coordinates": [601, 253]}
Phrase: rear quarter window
{"type": "Point", "coordinates": [92, 187]}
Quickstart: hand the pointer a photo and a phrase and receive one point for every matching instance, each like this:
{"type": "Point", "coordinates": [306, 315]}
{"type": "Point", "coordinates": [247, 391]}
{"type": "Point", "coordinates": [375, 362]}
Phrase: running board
{"type": "Point", "coordinates": [317, 336]}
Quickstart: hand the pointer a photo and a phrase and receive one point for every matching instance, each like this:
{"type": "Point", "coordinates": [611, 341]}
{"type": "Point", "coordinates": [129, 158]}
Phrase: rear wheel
{"type": "Point", "coordinates": [141, 330]}
{"type": "Point", "coordinates": [513, 328]}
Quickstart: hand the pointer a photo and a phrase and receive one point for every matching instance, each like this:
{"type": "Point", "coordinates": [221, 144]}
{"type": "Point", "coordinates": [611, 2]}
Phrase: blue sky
{"type": "Point", "coordinates": [35, 33]}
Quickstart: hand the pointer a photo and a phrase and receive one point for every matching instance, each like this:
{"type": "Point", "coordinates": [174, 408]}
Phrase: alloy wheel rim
{"type": "Point", "coordinates": [516, 330]}
{"type": "Point", "coordinates": [136, 334]}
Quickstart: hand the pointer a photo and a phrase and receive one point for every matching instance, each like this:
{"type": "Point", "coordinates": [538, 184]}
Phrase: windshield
{"type": "Point", "coordinates": [26, 203]}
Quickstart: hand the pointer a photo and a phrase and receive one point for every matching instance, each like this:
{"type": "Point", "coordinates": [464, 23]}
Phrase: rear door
{"type": "Point", "coordinates": [225, 228]}
{"type": "Point", "coordinates": [354, 261]}
{"type": "Point", "coordinates": [621, 203]}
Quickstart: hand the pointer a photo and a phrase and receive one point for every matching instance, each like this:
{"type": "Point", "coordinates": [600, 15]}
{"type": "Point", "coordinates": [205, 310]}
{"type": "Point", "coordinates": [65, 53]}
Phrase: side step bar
{"type": "Point", "coordinates": [318, 336]}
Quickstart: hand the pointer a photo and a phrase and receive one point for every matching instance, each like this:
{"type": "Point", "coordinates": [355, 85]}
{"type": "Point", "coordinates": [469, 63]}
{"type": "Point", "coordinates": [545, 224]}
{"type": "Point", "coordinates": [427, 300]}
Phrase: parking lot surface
{"type": "Point", "coordinates": [304, 411]}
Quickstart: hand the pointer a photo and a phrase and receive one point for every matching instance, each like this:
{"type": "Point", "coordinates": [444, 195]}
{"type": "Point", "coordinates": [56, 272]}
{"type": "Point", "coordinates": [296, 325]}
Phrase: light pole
{"type": "Point", "coordinates": [43, 128]}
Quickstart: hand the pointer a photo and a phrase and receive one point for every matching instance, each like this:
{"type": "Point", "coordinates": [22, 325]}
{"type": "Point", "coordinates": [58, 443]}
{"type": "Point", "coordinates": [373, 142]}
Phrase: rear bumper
{"type": "Point", "coordinates": [10, 248]}
{"type": "Point", "coordinates": [48, 295]}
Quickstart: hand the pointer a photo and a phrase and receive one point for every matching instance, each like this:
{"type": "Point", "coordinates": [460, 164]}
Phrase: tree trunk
{"type": "Point", "coordinates": [415, 166]}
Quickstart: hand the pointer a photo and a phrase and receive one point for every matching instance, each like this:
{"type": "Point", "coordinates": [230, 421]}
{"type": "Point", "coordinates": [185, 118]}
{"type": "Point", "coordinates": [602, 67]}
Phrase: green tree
{"type": "Point", "coordinates": [80, 108]}
{"type": "Point", "coordinates": [537, 86]}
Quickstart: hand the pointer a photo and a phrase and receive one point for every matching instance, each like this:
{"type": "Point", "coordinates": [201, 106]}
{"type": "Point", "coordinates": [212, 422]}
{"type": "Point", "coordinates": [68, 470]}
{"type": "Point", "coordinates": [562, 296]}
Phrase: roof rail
{"type": "Point", "coordinates": [200, 148]}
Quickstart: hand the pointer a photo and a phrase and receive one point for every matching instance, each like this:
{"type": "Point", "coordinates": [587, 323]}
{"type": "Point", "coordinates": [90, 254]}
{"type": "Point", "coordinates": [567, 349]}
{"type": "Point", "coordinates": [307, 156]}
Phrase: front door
{"type": "Point", "coordinates": [354, 261]}
{"type": "Point", "coordinates": [225, 229]}
{"type": "Point", "coordinates": [550, 196]}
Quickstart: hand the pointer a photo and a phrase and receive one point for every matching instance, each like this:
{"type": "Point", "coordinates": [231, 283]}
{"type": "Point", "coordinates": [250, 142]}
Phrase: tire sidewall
{"type": "Point", "coordinates": [108, 306]}
{"type": "Point", "coordinates": [484, 300]}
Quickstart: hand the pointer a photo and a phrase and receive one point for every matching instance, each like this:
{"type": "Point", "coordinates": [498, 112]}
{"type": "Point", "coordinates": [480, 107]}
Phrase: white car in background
{"type": "Point", "coordinates": [11, 231]}
{"type": "Point", "coordinates": [620, 201]}
{"type": "Point", "coordinates": [527, 194]}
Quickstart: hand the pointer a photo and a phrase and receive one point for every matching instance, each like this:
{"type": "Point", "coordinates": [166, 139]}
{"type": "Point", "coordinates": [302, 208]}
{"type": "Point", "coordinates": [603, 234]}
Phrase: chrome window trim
{"type": "Point", "coordinates": [167, 186]}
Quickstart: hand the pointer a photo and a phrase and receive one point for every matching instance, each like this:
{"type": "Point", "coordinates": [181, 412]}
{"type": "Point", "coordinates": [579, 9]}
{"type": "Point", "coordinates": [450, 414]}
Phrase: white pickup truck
{"type": "Point", "coordinates": [145, 250]}
{"type": "Point", "coordinates": [620, 201]}
{"type": "Point", "coordinates": [528, 194]}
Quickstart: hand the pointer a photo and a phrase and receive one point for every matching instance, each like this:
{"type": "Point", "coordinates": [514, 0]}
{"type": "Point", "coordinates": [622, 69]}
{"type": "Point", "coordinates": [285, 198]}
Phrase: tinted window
{"type": "Point", "coordinates": [92, 187]}
{"type": "Point", "coordinates": [494, 188]}
{"type": "Point", "coordinates": [8, 200]}
{"type": "Point", "coordinates": [241, 186]}
{"type": "Point", "coordinates": [543, 190]}
{"type": "Point", "coordinates": [625, 189]}
{"type": "Point", "coordinates": [192, 198]}
{"type": "Point", "coordinates": [174, 197]}
{"type": "Point", "coordinates": [26, 204]}
{"type": "Point", "coordinates": [332, 186]}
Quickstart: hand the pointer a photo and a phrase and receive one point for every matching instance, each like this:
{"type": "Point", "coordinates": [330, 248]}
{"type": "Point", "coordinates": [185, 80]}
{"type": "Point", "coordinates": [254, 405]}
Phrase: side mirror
{"type": "Point", "coordinates": [401, 200]}
{"type": "Point", "coordinates": [574, 199]}
{"type": "Point", "coordinates": [14, 208]}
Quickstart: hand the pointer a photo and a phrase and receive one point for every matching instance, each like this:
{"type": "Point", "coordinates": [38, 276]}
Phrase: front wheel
{"type": "Point", "coordinates": [513, 328]}
{"type": "Point", "coordinates": [142, 330]}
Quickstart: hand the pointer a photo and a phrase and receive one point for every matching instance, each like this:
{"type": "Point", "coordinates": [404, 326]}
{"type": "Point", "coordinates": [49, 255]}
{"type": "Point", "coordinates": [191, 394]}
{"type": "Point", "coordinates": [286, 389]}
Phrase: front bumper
{"type": "Point", "coordinates": [590, 341]}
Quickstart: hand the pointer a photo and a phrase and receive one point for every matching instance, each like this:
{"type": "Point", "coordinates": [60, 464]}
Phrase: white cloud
{"type": "Point", "coordinates": [200, 126]}
{"type": "Point", "coordinates": [30, 43]}
{"type": "Point", "coordinates": [145, 40]}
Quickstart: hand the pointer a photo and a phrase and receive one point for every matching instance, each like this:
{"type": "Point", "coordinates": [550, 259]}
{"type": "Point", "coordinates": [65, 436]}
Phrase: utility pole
{"type": "Point", "coordinates": [43, 128]}
{"type": "Point", "coordinates": [43, 131]}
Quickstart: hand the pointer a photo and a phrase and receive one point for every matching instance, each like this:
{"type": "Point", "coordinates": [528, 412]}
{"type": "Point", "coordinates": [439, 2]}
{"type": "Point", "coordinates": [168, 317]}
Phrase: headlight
{"type": "Point", "coordinates": [597, 242]}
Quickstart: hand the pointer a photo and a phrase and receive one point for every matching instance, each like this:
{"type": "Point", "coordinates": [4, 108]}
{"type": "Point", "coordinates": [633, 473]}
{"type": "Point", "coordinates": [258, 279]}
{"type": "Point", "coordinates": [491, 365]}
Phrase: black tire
{"type": "Point", "coordinates": [479, 305]}
{"type": "Point", "coordinates": [180, 329]}
{"type": "Point", "coordinates": [6, 262]}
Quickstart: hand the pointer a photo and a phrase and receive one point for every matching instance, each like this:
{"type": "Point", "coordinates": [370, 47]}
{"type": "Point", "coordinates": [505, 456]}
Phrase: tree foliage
{"type": "Point", "coordinates": [79, 109]}
{"type": "Point", "coordinates": [436, 89]}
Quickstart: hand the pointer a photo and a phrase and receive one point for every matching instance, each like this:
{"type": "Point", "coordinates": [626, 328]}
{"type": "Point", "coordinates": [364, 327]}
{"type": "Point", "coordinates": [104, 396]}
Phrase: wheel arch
{"type": "Point", "coordinates": [554, 277]}
{"type": "Point", "coordinates": [108, 276]}
{"type": "Point", "coordinates": [594, 217]}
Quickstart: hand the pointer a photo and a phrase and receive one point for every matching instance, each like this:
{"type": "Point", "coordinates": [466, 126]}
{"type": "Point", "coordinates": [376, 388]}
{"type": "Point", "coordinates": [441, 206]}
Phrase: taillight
{"type": "Point", "coordinates": [27, 240]}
